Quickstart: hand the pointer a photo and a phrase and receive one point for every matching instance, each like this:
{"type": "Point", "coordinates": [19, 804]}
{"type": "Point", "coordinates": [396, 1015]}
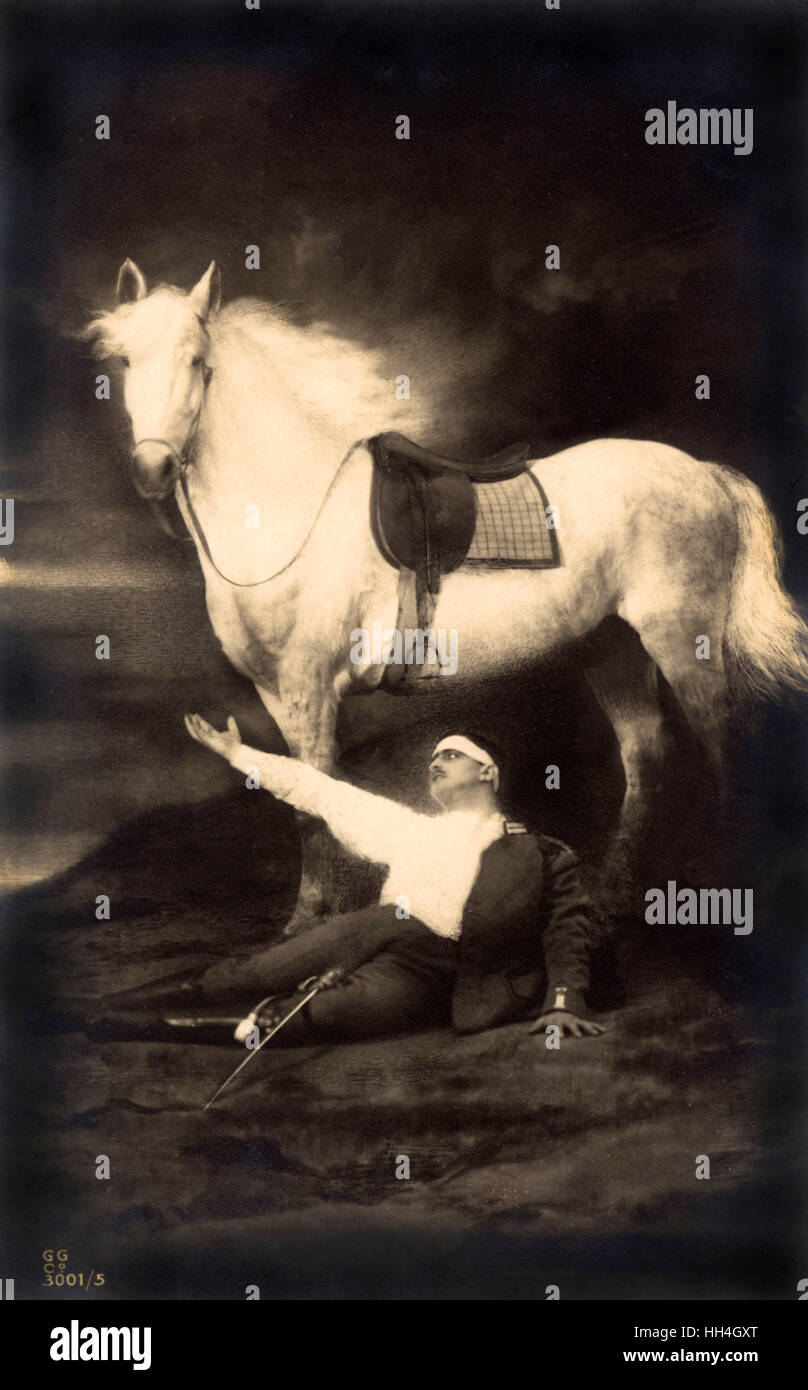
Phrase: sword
{"type": "Point", "coordinates": [324, 982]}
{"type": "Point", "coordinates": [198, 1021]}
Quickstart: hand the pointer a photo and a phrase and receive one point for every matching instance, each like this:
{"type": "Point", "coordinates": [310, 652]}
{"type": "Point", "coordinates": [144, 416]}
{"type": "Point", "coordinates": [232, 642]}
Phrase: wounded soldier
{"type": "Point", "coordinates": [478, 923]}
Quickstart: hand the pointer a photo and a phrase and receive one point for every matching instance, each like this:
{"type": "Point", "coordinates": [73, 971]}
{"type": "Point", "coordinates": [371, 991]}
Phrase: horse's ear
{"type": "Point", "coordinates": [206, 296]}
{"type": "Point", "coordinates": [131, 284]}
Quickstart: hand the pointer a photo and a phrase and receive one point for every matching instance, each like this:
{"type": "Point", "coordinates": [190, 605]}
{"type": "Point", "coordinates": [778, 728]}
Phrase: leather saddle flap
{"type": "Point", "coordinates": [423, 519]}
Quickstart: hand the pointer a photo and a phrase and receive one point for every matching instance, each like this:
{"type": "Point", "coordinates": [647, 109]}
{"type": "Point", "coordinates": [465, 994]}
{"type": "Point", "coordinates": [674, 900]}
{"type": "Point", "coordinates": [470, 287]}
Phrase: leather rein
{"type": "Point", "coordinates": [184, 461]}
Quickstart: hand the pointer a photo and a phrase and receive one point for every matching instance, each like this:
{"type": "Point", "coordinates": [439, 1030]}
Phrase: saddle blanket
{"type": "Point", "coordinates": [511, 526]}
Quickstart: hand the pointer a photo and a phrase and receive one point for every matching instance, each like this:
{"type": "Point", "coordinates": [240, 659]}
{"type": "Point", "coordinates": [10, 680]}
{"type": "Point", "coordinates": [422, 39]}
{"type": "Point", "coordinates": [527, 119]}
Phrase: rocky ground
{"type": "Point", "coordinates": [528, 1167]}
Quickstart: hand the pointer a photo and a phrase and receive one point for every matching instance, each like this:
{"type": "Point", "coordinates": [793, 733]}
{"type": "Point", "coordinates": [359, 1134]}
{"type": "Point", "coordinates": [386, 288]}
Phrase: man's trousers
{"type": "Point", "coordinates": [399, 976]}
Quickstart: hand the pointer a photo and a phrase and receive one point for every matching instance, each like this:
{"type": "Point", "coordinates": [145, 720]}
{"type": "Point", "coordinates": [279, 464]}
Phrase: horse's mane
{"type": "Point", "coordinates": [334, 378]}
{"type": "Point", "coordinates": [339, 382]}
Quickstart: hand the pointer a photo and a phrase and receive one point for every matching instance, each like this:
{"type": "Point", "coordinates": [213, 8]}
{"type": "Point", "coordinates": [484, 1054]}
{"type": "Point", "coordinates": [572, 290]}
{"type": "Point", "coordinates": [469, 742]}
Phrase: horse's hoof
{"type": "Point", "coordinates": [298, 924]}
{"type": "Point", "coordinates": [295, 928]}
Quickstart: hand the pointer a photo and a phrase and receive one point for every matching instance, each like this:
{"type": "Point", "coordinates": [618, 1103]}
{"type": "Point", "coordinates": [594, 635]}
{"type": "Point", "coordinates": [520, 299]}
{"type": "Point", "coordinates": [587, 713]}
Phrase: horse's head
{"type": "Point", "coordinates": [162, 340]}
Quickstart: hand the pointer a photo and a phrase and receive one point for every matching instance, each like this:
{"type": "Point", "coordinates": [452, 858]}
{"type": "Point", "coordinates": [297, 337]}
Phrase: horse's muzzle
{"type": "Point", "coordinates": [155, 469]}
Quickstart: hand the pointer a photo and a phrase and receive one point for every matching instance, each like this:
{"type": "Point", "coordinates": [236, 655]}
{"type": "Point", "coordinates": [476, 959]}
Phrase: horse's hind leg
{"type": "Point", "coordinates": [688, 651]}
{"type": "Point", "coordinates": [624, 680]}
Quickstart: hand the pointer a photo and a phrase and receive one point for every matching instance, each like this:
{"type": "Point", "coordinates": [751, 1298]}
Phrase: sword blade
{"type": "Point", "coordinates": [270, 1035]}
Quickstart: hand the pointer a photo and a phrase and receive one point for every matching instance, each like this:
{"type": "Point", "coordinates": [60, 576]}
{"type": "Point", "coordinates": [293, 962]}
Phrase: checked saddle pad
{"type": "Point", "coordinates": [431, 514]}
{"type": "Point", "coordinates": [510, 526]}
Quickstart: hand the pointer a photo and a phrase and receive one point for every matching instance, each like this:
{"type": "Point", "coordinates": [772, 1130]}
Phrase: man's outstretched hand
{"type": "Point", "coordinates": [568, 1023]}
{"type": "Point", "coordinates": [224, 743]}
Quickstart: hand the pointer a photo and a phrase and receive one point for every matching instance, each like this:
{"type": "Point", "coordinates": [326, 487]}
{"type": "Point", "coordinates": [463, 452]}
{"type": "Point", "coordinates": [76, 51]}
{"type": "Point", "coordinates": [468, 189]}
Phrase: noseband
{"type": "Point", "coordinates": [182, 461]}
{"type": "Point", "coordinates": [159, 505]}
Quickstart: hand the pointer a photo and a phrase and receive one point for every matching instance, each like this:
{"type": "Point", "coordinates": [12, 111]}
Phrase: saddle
{"type": "Point", "coordinates": [422, 506]}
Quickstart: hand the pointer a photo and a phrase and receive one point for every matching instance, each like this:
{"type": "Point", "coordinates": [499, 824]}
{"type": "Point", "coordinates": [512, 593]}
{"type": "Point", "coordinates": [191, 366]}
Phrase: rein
{"type": "Point", "coordinates": [184, 462]}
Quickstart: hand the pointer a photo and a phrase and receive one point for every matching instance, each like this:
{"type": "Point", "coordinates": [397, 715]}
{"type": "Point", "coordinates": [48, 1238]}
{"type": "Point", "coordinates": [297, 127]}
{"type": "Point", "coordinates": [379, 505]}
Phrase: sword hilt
{"type": "Point", "coordinates": [247, 1024]}
{"type": "Point", "coordinates": [314, 982]}
{"type": "Point", "coordinates": [245, 1027]}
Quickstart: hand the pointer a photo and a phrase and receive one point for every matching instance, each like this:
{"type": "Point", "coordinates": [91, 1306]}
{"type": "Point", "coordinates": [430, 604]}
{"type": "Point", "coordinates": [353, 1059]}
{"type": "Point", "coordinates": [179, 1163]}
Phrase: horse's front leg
{"type": "Point", "coordinates": [307, 719]}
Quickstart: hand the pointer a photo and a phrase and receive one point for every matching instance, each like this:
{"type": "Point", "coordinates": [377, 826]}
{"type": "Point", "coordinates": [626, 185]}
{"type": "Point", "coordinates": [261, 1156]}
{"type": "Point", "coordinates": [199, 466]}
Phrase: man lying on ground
{"type": "Point", "coordinates": [479, 923]}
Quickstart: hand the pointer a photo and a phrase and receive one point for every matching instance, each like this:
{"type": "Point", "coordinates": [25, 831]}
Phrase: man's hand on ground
{"type": "Point", "coordinates": [568, 1023]}
{"type": "Point", "coordinates": [224, 743]}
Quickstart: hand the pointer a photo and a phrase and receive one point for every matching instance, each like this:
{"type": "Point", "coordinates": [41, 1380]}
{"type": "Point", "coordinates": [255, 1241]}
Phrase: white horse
{"type": "Point", "coordinates": [259, 420]}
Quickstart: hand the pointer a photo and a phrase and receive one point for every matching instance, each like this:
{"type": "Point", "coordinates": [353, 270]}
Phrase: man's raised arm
{"type": "Point", "coordinates": [368, 825]}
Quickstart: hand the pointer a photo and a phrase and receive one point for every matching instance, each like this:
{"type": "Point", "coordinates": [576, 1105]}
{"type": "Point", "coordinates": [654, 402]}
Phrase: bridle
{"type": "Point", "coordinates": [184, 461]}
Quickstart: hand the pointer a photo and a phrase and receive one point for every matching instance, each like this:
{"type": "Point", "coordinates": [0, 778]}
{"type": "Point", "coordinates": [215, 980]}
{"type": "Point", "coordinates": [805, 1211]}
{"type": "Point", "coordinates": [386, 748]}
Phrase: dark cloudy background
{"type": "Point", "coordinates": [277, 127]}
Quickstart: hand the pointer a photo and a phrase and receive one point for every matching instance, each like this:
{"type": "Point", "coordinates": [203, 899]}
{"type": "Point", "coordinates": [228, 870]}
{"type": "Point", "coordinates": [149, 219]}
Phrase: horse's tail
{"type": "Point", "coordinates": [766, 639]}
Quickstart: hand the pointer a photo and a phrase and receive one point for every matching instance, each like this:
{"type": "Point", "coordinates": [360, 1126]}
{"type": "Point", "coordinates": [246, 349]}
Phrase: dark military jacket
{"type": "Point", "coordinates": [527, 932]}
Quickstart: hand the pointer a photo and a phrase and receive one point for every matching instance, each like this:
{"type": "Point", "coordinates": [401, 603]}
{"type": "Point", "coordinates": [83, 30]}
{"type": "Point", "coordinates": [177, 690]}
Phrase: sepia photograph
{"type": "Point", "coordinates": [404, 562]}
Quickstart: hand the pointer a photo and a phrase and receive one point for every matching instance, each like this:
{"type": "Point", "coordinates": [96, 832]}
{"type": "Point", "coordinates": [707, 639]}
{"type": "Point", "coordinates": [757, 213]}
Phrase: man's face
{"type": "Point", "coordinates": [452, 772]}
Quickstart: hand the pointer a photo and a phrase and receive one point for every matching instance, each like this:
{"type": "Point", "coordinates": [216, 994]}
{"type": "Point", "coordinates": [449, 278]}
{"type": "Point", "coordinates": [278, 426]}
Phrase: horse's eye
{"type": "Point", "coordinates": [124, 361]}
{"type": "Point", "coordinates": [198, 362]}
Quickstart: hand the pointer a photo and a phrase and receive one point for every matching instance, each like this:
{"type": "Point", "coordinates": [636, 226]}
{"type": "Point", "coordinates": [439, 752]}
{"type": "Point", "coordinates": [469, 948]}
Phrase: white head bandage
{"type": "Point", "coordinates": [458, 743]}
